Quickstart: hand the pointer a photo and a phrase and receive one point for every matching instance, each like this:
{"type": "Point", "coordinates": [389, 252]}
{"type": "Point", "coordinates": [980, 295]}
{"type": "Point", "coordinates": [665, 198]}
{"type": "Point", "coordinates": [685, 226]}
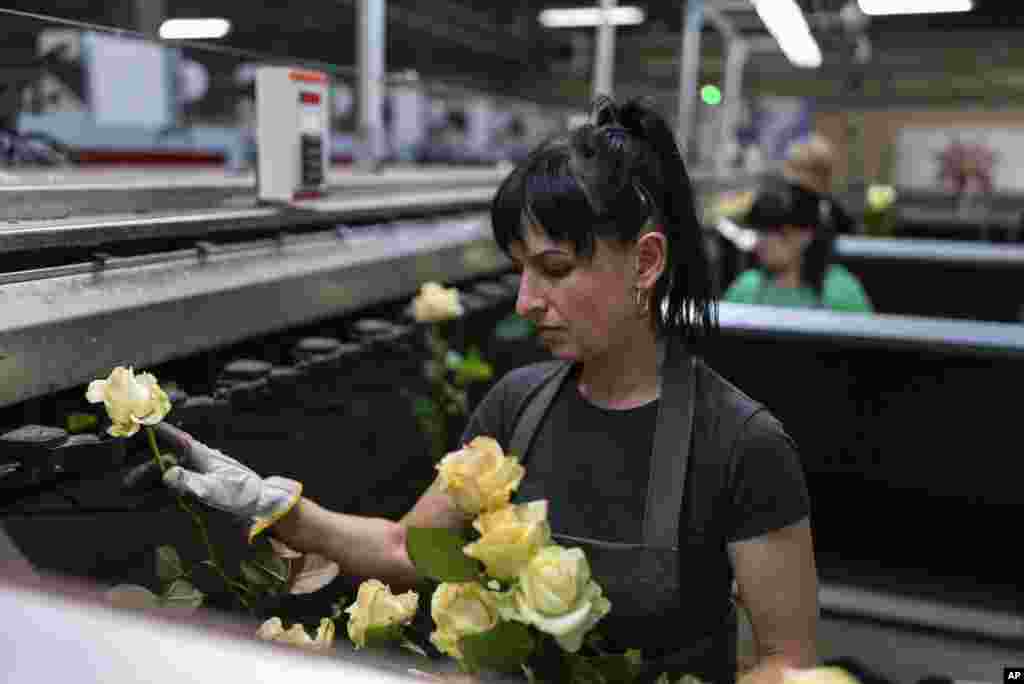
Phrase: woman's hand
{"type": "Point", "coordinates": [222, 482]}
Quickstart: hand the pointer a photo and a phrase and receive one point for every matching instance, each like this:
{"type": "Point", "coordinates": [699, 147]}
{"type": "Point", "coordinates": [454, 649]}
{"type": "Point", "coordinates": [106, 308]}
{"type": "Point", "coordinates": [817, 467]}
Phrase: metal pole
{"type": "Point", "coordinates": [149, 14]}
{"type": "Point", "coordinates": [371, 77]}
{"type": "Point", "coordinates": [735, 61]}
{"type": "Point", "coordinates": [689, 68]}
{"type": "Point", "coordinates": [604, 59]}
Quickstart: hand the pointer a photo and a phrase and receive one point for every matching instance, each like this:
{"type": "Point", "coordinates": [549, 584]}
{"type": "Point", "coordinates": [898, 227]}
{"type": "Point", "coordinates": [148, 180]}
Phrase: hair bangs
{"type": "Point", "coordinates": [554, 200]}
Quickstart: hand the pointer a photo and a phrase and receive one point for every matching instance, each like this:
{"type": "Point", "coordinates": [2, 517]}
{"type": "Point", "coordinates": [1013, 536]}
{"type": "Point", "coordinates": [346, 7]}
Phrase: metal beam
{"type": "Point", "coordinates": [604, 58]}
{"type": "Point", "coordinates": [371, 27]}
{"type": "Point", "coordinates": [689, 69]}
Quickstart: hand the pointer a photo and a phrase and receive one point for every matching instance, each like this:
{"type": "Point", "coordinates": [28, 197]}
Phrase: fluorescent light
{"type": "Point", "coordinates": [590, 16]}
{"type": "Point", "coordinates": [788, 26]}
{"type": "Point", "coordinates": [194, 29]}
{"type": "Point", "coordinates": [877, 8]}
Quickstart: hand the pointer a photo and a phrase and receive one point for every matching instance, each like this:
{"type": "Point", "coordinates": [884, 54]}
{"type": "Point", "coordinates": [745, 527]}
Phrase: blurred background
{"type": "Point", "coordinates": [131, 231]}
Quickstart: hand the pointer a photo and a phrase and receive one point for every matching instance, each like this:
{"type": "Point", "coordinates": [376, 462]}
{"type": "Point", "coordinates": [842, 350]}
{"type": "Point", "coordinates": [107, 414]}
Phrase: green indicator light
{"type": "Point", "coordinates": [711, 95]}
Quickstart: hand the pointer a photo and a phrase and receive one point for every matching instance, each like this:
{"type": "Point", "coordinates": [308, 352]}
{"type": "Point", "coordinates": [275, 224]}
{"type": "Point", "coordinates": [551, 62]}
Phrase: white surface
{"type": "Point", "coordinates": [128, 82]}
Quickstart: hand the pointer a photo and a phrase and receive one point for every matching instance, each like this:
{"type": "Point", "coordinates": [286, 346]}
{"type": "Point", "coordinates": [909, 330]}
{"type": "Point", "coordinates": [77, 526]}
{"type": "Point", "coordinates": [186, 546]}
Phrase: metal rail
{"type": "Point", "coordinates": [63, 326]}
{"type": "Point", "coordinates": [41, 196]}
{"type": "Point", "coordinates": [933, 335]}
{"type": "Point", "coordinates": [29, 236]}
{"type": "Point", "coordinates": [959, 252]}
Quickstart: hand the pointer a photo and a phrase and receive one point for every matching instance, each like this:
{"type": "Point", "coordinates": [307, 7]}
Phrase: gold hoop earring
{"type": "Point", "coordinates": [642, 298]}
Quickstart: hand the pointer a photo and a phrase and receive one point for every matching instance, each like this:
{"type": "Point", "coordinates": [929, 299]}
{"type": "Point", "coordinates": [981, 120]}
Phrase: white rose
{"type": "Point", "coordinates": [479, 477]}
{"type": "Point", "coordinates": [460, 609]}
{"type": "Point", "coordinates": [509, 538]}
{"type": "Point", "coordinates": [435, 303]}
{"type": "Point", "coordinates": [376, 606]}
{"type": "Point", "coordinates": [273, 630]}
{"type": "Point", "coordinates": [556, 595]}
{"type": "Point", "coordinates": [130, 401]}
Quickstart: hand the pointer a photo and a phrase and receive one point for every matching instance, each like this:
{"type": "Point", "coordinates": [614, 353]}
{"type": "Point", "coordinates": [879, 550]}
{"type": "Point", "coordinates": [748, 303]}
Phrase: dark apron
{"type": "Point", "coordinates": [651, 610]}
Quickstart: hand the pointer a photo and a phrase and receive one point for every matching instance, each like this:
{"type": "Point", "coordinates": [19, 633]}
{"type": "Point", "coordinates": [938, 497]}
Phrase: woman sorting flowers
{"type": "Point", "coordinates": [673, 482]}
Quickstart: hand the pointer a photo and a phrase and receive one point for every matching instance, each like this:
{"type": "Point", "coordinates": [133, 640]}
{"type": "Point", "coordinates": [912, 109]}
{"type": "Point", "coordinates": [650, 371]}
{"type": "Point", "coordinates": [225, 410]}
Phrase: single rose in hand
{"type": "Point", "coordinates": [510, 537]}
{"type": "Point", "coordinates": [557, 595]}
{"type": "Point", "coordinates": [130, 400]}
{"type": "Point", "coordinates": [435, 303]}
{"type": "Point", "coordinates": [460, 609]}
{"type": "Point", "coordinates": [376, 606]}
{"type": "Point", "coordinates": [479, 477]}
{"type": "Point", "coordinates": [273, 630]}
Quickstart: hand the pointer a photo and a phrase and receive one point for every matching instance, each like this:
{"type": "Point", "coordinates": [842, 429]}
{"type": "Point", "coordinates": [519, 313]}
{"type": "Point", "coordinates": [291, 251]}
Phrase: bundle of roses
{"type": "Point", "coordinates": [510, 599]}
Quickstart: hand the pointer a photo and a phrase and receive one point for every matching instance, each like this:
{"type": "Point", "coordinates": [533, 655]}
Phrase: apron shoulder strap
{"type": "Point", "coordinates": [670, 457]}
{"type": "Point", "coordinates": [534, 396]}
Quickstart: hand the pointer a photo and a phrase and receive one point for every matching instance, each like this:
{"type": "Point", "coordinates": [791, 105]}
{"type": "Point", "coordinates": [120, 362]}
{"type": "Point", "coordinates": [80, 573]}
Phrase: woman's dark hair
{"type": "Point", "coordinates": [779, 203]}
{"type": "Point", "coordinates": [611, 179]}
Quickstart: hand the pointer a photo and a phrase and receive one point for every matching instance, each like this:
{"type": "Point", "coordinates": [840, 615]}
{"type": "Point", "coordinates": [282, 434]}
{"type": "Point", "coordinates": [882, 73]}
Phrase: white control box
{"type": "Point", "coordinates": [292, 134]}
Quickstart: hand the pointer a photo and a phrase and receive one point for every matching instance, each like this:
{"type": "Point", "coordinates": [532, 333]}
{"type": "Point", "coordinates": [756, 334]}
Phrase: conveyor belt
{"type": "Point", "coordinates": [77, 193]}
{"type": "Point", "coordinates": [27, 236]}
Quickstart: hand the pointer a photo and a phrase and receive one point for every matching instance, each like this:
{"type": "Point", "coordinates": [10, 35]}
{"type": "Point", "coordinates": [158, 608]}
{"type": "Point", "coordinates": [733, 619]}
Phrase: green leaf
{"type": "Point", "coordinates": [504, 648]}
{"type": "Point", "coordinates": [181, 593]}
{"type": "Point", "coordinates": [382, 635]}
{"type": "Point", "coordinates": [437, 553]}
{"type": "Point", "coordinates": [265, 574]}
{"type": "Point", "coordinates": [453, 360]}
{"type": "Point", "coordinates": [168, 564]}
{"type": "Point", "coordinates": [423, 408]}
{"type": "Point", "coordinates": [613, 669]}
{"type": "Point", "coordinates": [80, 422]}
{"type": "Point", "coordinates": [410, 646]}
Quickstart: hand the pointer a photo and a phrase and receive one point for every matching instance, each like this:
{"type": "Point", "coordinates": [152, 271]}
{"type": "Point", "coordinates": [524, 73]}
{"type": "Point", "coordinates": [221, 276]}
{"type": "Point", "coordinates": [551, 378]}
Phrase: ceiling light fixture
{"type": "Point", "coordinates": [590, 16]}
{"type": "Point", "coordinates": [194, 29]}
{"type": "Point", "coordinates": [878, 8]}
{"type": "Point", "coordinates": [788, 26]}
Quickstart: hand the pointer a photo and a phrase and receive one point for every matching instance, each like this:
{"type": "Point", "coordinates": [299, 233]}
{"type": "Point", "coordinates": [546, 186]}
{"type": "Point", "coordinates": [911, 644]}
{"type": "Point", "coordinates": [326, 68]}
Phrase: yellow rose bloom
{"type": "Point", "coordinates": [436, 303]}
{"type": "Point", "coordinates": [509, 538]}
{"type": "Point", "coordinates": [273, 630]}
{"type": "Point", "coordinates": [460, 609]}
{"type": "Point", "coordinates": [376, 606]}
{"type": "Point", "coordinates": [130, 400]}
{"type": "Point", "coordinates": [556, 595]}
{"type": "Point", "coordinates": [479, 477]}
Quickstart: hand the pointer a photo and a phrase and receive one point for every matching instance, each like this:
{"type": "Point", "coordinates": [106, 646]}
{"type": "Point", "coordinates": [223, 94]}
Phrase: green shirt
{"type": "Point", "coordinates": [841, 292]}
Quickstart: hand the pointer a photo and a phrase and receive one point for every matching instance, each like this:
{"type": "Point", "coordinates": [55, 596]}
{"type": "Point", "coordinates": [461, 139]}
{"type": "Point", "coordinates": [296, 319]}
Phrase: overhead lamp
{"type": "Point", "coordinates": [194, 29]}
{"type": "Point", "coordinates": [878, 8]}
{"type": "Point", "coordinates": [591, 16]}
{"type": "Point", "coordinates": [788, 26]}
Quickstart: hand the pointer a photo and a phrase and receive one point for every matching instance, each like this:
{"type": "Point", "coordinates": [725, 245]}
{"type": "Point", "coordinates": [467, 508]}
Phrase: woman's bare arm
{"type": "Point", "coordinates": [778, 585]}
{"type": "Point", "coordinates": [366, 547]}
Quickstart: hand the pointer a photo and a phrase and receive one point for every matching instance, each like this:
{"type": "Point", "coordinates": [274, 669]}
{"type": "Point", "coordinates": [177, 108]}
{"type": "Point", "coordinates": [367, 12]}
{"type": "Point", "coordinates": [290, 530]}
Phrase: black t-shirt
{"type": "Point", "coordinates": [595, 465]}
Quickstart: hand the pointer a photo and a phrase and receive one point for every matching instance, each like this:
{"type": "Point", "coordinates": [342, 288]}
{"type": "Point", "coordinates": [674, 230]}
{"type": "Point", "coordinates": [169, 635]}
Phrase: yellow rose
{"type": "Point", "coordinates": [557, 596]}
{"type": "Point", "coordinates": [435, 303]}
{"type": "Point", "coordinates": [273, 630]}
{"type": "Point", "coordinates": [818, 675]}
{"type": "Point", "coordinates": [376, 606]}
{"type": "Point", "coordinates": [130, 401]}
{"type": "Point", "coordinates": [460, 609]}
{"type": "Point", "coordinates": [881, 197]}
{"type": "Point", "coordinates": [479, 477]}
{"type": "Point", "coordinates": [509, 538]}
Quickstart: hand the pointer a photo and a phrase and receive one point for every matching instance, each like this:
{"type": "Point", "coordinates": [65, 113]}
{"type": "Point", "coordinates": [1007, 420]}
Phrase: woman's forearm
{"type": "Point", "coordinates": [363, 547]}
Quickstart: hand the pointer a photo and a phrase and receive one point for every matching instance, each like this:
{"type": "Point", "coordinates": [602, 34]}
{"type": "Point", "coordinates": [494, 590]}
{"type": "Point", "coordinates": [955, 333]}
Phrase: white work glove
{"type": "Point", "coordinates": [222, 482]}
